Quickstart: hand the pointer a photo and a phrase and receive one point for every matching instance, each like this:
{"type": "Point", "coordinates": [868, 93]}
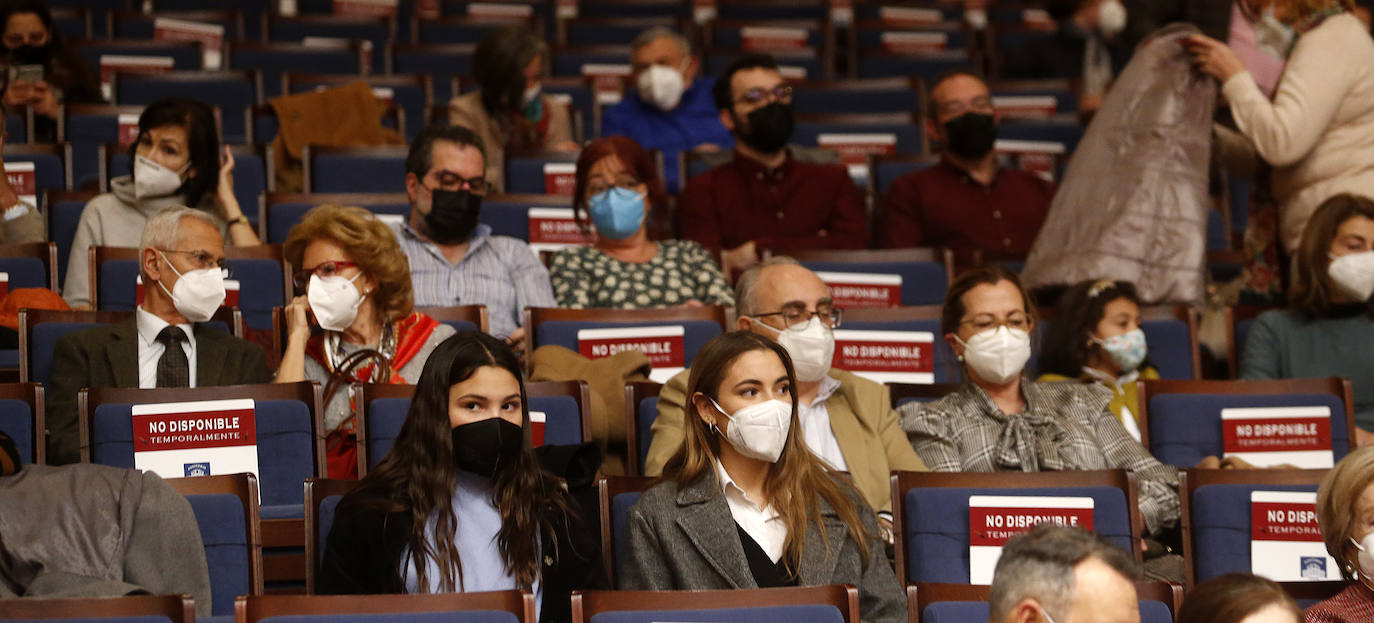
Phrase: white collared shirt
{"type": "Point", "coordinates": [815, 424]}
{"type": "Point", "coordinates": [150, 350]}
{"type": "Point", "coordinates": [764, 525]}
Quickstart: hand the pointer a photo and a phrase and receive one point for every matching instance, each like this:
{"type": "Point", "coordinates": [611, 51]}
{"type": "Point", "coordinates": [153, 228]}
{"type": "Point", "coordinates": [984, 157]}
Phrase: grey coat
{"type": "Point", "coordinates": [685, 539]}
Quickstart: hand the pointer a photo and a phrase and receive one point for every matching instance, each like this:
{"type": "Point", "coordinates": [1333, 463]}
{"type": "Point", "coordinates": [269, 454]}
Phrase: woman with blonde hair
{"type": "Point", "coordinates": [744, 503]}
{"type": "Point", "coordinates": [354, 283]}
{"type": "Point", "coordinates": [1345, 512]}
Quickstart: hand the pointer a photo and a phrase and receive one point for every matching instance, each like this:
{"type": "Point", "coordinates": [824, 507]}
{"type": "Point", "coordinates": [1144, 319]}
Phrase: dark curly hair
{"type": "Point", "coordinates": [1067, 347]}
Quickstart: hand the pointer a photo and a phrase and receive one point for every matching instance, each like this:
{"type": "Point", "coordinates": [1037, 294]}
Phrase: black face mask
{"type": "Point", "coordinates": [31, 54]}
{"type": "Point", "coordinates": [487, 447]}
{"type": "Point", "coordinates": [452, 215]}
{"type": "Point", "coordinates": [971, 135]}
{"type": "Point", "coordinates": [770, 127]}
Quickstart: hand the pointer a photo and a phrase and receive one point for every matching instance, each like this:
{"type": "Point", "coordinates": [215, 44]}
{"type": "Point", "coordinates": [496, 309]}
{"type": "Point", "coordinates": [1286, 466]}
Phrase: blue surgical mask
{"type": "Point", "coordinates": [617, 212]}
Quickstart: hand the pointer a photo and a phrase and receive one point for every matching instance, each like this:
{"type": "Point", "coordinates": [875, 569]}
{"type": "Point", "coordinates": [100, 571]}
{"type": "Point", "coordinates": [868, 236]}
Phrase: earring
{"type": "Point", "coordinates": [715, 430]}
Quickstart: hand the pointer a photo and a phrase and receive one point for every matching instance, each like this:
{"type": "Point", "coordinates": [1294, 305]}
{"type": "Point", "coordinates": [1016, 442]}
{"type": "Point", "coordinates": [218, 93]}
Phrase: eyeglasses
{"type": "Point", "coordinates": [798, 316]}
{"type": "Point", "coordinates": [323, 269]}
{"type": "Point", "coordinates": [982, 104]}
{"type": "Point", "coordinates": [454, 182]}
{"type": "Point", "coordinates": [201, 260]}
{"type": "Point", "coordinates": [781, 93]}
{"type": "Point", "coordinates": [598, 186]}
{"type": "Point", "coordinates": [983, 322]}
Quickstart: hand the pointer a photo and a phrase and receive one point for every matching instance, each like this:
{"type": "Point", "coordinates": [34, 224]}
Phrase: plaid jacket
{"type": "Point", "coordinates": [1065, 426]}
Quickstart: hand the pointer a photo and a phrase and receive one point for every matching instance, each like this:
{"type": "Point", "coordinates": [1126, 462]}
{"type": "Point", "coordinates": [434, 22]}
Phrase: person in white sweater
{"type": "Point", "coordinates": [176, 161]}
{"type": "Point", "coordinates": [1318, 132]}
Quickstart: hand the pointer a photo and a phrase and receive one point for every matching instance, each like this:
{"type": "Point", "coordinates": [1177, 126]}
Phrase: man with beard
{"type": "Point", "coordinates": [966, 202]}
{"type": "Point", "coordinates": [764, 198]}
{"type": "Point", "coordinates": [454, 260]}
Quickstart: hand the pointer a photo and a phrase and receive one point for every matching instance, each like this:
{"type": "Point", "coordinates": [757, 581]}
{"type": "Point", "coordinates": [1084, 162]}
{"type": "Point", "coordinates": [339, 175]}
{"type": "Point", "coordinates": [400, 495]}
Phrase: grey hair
{"type": "Point", "coordinates": [658, 32]}
{"type": "Point", "coordinates": [744, 288]}
{"type": "Point", "coordinates": [1039, 564]}
{"type": "Point", "coordinates": [163, 230]}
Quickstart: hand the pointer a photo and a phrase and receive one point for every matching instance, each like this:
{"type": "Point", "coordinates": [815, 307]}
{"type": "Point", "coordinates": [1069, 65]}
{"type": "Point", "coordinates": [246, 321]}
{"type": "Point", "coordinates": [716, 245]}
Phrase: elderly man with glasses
{"type": "Point", "coordinates": [847, 421]}
{"type": "Point", "coordinates": [765, 198]}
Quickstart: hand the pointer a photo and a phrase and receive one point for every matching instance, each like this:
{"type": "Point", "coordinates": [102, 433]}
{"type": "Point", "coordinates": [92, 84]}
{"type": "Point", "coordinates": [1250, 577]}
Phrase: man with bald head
{"type": "Point", "coordinates": [846, 420]}
{"type": "Point", "coordinates": [1057, 574]}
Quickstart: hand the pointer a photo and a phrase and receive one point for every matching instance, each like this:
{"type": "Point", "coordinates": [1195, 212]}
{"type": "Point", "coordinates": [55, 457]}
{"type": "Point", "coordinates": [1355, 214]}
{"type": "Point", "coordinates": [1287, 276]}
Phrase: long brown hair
{"type": "Point", "coordinates": [1233, 597]}
{"type": "Point", "coordinates": [796, 483]}
{"type": "Point", "coordinates": [418, 476]}
{"type": "Point", "coordinates": [1312, 287]}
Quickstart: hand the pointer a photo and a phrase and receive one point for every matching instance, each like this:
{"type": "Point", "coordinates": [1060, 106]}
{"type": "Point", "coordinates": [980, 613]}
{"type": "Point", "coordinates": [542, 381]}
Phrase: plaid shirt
{"type": "Point", "coordinates": [1355, 603]}
{"type": "Point", "coordinates": [1065, 426]}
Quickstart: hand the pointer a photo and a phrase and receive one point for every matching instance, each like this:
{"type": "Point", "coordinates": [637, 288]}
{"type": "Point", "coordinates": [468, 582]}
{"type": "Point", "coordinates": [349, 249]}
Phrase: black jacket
{"type": "Point", "coordinates": [362, 555]}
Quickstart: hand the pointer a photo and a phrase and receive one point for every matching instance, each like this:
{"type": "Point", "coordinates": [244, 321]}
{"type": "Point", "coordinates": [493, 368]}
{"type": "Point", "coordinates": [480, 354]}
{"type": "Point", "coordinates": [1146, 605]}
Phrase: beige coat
{"type": "Point", "coordinates": [1318, 131]}
{"type": "Point", "coordinates": [867, 429]}
{"type": "Point", "coordinates": [606, 379]}
{"type": "Point", "coordinates": [466, 110]}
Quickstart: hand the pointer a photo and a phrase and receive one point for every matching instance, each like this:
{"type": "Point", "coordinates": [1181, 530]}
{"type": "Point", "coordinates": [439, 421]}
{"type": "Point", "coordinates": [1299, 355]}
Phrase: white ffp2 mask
{"type": "Point", "coordinates": [154, 180]}
{"type": "Point", "coordinates": [811, 347]}
{"type": "Point", "coordinates": [997, 355]}
{"type": "Point", "coordinates": [1353, 273]}
{"type": "Point", "coordinates": [334, 300]}
{"type": "Point", "coordinates": [197, 293]}
{"type": "Point", "coordinates": [759, 431]}
{"type": "Point", "coordinates": [661, 86]}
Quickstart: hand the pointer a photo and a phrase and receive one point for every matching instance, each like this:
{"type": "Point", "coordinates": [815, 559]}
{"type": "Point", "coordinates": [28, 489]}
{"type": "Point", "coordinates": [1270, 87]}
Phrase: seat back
{"type": "Point", "coordinates": [544, 221]}
{"type": "Point", "coordinates": [64, 214]}
{"type": "Point", "coordinates": [925, 274]}
{"type": "Point", "coordinates": [641, 407]}
{"type": "Point", "coordinates": [832, 603]}
{"type": "Point", "coordinates": [925, 318]}
{"type": "Point", "coordinates": [282, 211]}
{"type": "Point", "coordinates": [271, 60]}
{"type": "Point", "coordinates": [39, 330]}
{"type": "Point", "coordinates": [51, 170]}
{"type": "Point", "coordinates": [259, 270]}
{"type": "Point", "coordinates": [87, 127]}
{"type": "Point", "coordinates": [541, 173]}
{"type": "Point", "coordinates": [1172, 333]}
{"type": "Point", "coordinates": [562, 327]}
{"type": "Point", "coordinates": [478, 607]}
{"type": "Point", "coordinates": [617, 494]}
{"type": "Point", "coordinates": [412, 93]}
{"type": "Point", "coordinates": [29, 265]}
{"type": "Point", "coordinates": [878, 96]}
{"type": "Point", "coordinates": [21, 419]}
{"type": "Point", "coordinates": [355, 169]}
{"type": "Point", "coordinates": [884, 170]}
{"type": "Point", "coordinates": [286, 418]}
{"type": "Point", "coordinates": [443, 63]}
{"type": "Point", "coordinates": [126, 609]}
{"type": "Point", "coordinates": [931, 513]}
{"type": "Point", "coordinates": [322, 497]}
{"type": "Point", "coordinates": [379, 31]}
{"type": "Point", "coordinates": [949, 603]}
{"type": "Point", "coordinates": [564, 405]}
{"type": "Point", "coordinates": [379, 413]}
{"type": "Point", "coordinates": [233, 92]}
{"type": "Point", "coordinates": [226, 510]}
{"type": "Point", "coordinates": [1180, 421]}
{"type": "Point", "coordinates": [927, 66]}
{"type": "Point", "coordinates": [903, 393]}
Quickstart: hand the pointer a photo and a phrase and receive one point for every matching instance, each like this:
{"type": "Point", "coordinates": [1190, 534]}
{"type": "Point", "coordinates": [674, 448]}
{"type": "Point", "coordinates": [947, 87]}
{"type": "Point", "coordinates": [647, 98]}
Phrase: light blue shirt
{"type": "Point", "coordinates": [500, 272]}
{"type": "Point", "coordinates": [479, 525]}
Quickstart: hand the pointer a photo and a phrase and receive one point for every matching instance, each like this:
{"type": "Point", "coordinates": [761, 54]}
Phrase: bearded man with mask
{"type": "Point", "coordinates": [165, 344]}
{"type": "Point", "coordinates": [765, 199]}
{"type": "Point", "coordinates": [847, 421]}
{"type": "Point", "coordinates": [966, 203]}
{"type": "Point", "coordinates": [999, 421]}
{"type": "Point", "coordinates": [454, 259]}
{"type": "Point", "coordinates": [670, 109]}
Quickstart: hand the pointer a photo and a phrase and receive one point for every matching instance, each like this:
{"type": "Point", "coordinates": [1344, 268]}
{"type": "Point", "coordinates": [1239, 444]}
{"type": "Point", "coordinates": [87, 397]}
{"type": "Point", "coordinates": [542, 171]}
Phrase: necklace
{"type": "Point", "coordinates": [334, 351]}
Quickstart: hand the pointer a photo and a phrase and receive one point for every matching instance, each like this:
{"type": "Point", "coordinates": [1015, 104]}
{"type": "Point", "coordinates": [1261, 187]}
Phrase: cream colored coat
{"type": "Point", "coordinates": [861, 416]}
{"type": "Point", "coordinates": [466, 110]}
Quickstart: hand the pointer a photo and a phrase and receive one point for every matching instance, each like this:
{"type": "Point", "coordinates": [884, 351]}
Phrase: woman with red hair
{"type": "Point", "coordinates": [616, 190]}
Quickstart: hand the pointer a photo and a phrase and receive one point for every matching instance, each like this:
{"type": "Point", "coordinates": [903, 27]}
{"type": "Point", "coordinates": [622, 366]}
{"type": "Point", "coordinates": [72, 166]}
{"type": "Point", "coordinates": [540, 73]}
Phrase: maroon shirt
{"type": "Point", "coordinates": [941, 206]}
{"type": "Point", "coordinates": [798, 205]}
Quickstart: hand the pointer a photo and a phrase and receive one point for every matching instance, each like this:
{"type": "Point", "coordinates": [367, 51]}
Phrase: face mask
{"type": "Point", "coordinates": [1111, 18]}
{"type": "Point", "coordinates": [1127, 351]}
{"type": "Point", "coordinates": [661, 86]}
{"type": "Point", "coordinates": [770, 127]}
{"type": "Point", "coordinates": [487, 447]}
{"type": "Point", "coordinates": [971, 135]}
{"type": "Point", "coordinates": [617, 212]}
{"type": "Point", "coordinates": [1273, 36]}
{"type": "Point", "coordinates": [334, 301]}
{"type": "Point", "coordinates": [1353, 274]}
{"type": "Point", "coordinates": [1364, 558]}
{"type": "Point", "coordinates": [452, 215]}
{"type": "Point", "coordinates": [197, 294]}
{"type": "Point", "coordinates": [31, 54]}
{"type": "Point", "coordinates": [759, 431]}
{"type": "Point", "coordinates": [997, 355]}
{"type": "Point", "coordinates": [532, 103]}
{"type": "Point", "coordinates": [154, 180]}
{"type": "Point", "coordinates": [811, 348]}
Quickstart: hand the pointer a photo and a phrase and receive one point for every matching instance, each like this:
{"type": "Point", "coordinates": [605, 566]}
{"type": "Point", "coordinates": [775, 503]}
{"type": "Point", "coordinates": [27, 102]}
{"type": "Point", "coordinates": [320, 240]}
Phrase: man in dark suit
{"type": "Point", "coordinates": [164, 344]}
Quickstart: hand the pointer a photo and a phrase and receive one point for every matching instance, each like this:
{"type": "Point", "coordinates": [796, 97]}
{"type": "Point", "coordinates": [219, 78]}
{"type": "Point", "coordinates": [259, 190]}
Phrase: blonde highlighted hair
{"type": "Point", "coordinates": [1336, 498]}
{"type": "Point", "coordinates": [369, 243]}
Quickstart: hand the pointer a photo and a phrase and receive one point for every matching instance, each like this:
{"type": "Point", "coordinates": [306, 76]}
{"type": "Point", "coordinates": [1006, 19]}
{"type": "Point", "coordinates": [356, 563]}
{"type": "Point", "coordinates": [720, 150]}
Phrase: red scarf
{"type": "Point", "coordinates": [341, 446]}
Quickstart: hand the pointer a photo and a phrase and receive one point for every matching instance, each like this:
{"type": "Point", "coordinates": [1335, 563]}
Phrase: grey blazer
{"type": "Point", "coordinates": [685, 539]}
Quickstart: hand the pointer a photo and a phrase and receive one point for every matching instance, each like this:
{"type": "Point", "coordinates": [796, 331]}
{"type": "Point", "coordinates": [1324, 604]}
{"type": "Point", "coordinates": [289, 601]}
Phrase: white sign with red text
{"type": "Point", "coordinates": [202, 438]}
{"type": "Point", "coordinates": [896, 42]}
{"type": "Point", "coordinates": [854, 149]}
{"type": "Point", "coordinates": [886, 356]}
{"type": "Point", "coordinates": [1038, 157]}
{"type": "Point", "coordinates": [500, 10]}
{"type": "Point", "coordinates": [555, 228]}
{"type": "Point", "coordinates": [1285, 541]}
{"type": "Point", "coordinates": [993, 519]}
{"type": "Point", "coordinates": [559, 178]}
{"type": "Point", "coordinates": [608, 80]}
{"type": "Point", "coordinates": [850, 290]}
{"type": "Point", "coordinates": [662, 344]}
{"type": "Point", "coordinates": [128, 129]}
{"type": "Point", "coordinates": [111, 63]}
{"type": "Point", "coordinates": [1269, 436]}
{"type": "Point", "coordinates": [22, 179]}
{"type": "Point", "coordinates": [210, 36]}
{"type": "Point", "coordinates": [367, 8]}
{"type": "Point", "coordinates": [771, 38]}
{"type": "Point", "coordinates": [537, 421]}
{"type": "Point", "coordinates": [910, 16]}
{"type": "Point", "coordinates": [1026, 106]}
{"type": "Point", "coordinates": [4, 285]}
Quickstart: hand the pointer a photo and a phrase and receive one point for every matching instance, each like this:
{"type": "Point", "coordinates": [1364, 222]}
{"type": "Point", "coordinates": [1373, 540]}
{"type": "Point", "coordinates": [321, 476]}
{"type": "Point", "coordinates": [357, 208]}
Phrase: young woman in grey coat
{"type": "Point", "coordinates": [744, 503]}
